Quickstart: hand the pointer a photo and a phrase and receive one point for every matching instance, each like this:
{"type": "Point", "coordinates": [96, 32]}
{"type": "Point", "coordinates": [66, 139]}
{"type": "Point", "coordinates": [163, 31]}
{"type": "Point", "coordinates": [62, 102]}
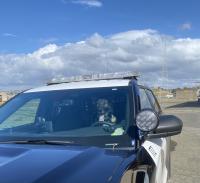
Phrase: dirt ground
{"type": "Point", "coordinates": [185, 148]}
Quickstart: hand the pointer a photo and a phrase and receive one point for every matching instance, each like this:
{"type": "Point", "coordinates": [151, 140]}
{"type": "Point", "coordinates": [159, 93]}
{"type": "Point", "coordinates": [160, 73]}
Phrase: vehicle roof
{"type": "Point", "coordinates": [82, 85]}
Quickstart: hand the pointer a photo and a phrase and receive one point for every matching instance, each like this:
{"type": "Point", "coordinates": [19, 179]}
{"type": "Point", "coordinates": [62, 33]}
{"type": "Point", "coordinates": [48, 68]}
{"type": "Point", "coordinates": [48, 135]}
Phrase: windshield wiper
{"type": "Point", "coordinates": [38, 141]}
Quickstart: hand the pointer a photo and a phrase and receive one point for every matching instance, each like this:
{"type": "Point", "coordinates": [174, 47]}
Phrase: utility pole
{"type": "Point", "coordinates": [164, 69]}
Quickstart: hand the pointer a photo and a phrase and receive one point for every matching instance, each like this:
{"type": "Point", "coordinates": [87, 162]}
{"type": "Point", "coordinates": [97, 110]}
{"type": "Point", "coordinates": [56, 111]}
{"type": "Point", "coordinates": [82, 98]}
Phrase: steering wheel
{"type": "Point", "coordinates": [107, 126]}
{"type": "Point", "coordinates": [102, 123]}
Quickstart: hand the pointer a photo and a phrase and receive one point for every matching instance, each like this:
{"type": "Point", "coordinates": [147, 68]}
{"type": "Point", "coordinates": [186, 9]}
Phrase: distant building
{"type": "Point", "coordinates": [3, 97]}
{"type": "Point", "coordinates": [178, 94]}
{"type": "Point", "coordinates": [186, 93]}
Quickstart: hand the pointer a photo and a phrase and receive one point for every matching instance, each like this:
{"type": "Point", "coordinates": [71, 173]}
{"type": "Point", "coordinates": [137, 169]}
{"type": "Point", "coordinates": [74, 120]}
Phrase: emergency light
{"type": "Point", "coordinates": [93, 77]}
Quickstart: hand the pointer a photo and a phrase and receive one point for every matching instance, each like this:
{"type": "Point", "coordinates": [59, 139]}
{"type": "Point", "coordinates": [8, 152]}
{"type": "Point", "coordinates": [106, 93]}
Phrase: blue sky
{"type": "Point", "coordinates": [45, 39]}
{"type": "Point", "coordinates": [27, 25]}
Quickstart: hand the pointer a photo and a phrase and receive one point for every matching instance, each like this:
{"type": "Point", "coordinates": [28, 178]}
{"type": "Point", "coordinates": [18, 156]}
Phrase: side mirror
{"type": "Point", "coordinates": [157, 127]}
{"type": "Point", "coordinates": [169, 125]}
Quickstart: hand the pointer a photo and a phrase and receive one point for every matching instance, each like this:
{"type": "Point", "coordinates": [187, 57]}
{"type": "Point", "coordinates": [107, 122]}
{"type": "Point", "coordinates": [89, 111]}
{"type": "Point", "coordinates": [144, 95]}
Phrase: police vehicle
{"type": "Point", "coordinates": [103, 128]}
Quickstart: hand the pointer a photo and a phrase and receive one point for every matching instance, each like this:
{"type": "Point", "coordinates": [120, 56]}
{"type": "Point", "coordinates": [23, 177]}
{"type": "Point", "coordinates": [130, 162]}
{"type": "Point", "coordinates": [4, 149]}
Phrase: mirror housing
{"type": "Point", "coordinates": [169, 125]}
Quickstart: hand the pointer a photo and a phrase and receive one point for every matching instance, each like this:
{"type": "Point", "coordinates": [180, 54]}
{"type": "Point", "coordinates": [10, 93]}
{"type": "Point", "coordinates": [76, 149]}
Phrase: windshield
{"type": "Point", "coordinates": [63, 114]}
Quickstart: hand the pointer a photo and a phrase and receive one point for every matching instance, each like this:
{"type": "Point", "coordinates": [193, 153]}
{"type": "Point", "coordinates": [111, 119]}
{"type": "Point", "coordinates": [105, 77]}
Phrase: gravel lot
{"type": "Point", "coordinates": [185, 148]}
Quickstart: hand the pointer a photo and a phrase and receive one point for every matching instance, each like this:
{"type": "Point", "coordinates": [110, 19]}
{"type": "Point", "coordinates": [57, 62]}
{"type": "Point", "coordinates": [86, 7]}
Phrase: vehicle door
{"type": "Point", "coordinates": [157, 148]}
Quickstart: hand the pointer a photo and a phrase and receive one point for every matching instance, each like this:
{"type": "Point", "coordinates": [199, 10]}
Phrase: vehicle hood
{"type": "Point", "coordinates": [58, 164]}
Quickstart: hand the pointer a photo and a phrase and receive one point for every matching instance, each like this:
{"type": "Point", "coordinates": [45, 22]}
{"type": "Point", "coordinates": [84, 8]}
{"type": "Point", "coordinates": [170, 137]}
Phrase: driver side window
{"type": "Point", "coordinates": [144, 100]}
{"type": "Point", "coordinates": [153, 101]}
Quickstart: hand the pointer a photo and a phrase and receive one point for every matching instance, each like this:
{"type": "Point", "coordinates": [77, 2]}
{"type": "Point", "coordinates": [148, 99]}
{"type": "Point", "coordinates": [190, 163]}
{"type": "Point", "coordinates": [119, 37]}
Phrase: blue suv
{"type": "Point", "coordinates": [102, 128]}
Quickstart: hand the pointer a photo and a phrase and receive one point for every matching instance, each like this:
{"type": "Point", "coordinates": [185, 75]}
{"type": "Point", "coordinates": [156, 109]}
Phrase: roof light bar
{"type": "Point", "coordinates": [93, 77]}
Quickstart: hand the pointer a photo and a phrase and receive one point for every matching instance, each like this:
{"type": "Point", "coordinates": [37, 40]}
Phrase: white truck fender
{"type": "Point", "coordinates": [156, 148]}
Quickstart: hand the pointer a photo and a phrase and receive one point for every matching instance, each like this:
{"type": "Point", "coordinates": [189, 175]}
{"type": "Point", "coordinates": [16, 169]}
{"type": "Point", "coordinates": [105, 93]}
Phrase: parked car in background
{"type": "Point", "coordinates": [170, 95]}
{"type": "Point", "coordinates": [198, 95]}
{"type": "Point", "coordinates": [95, 129]}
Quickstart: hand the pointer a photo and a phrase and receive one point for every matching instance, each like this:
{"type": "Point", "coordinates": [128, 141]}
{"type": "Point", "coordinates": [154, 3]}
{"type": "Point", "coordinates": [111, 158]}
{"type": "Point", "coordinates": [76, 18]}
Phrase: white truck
{"type": "Point", "coordinates": [198, 95]}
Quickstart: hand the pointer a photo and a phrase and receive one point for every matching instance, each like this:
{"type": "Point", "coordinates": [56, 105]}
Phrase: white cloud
{"type": "Point", "coordinates": [6, 34]}
{"type": "Point", "coordinates": [186, 26]}
{"type": "Point", "coordinates": [90, 3]}
{"type": "Point", "coordinates": [146, 51]}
